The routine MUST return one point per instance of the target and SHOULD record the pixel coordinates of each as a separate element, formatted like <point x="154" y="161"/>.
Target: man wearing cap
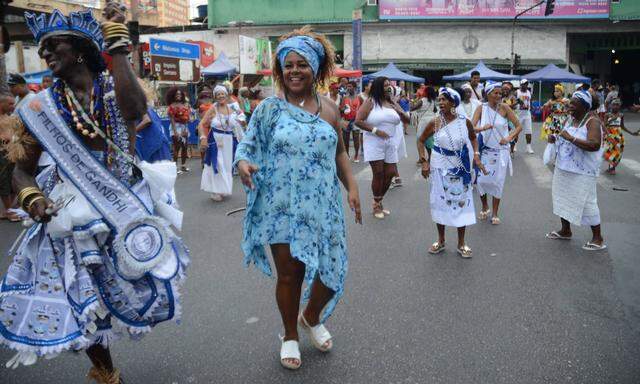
<point x="18" y="87"/>
<point x="523" y="106"/>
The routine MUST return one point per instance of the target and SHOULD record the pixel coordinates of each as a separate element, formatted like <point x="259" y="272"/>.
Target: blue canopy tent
<point x="219" y="68"/>
<point x="552" y="73"/>
<point x="393" y="73"/>
<point x="486" y="73"/>
<point x="36" y="77"/>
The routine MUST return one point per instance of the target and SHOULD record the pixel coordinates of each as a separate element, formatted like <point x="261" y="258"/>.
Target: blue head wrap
<point x="305" y="46"/>
<point x="584" y="97"/>
<point x="490" y="86"/>
<point x="450" y="94"/>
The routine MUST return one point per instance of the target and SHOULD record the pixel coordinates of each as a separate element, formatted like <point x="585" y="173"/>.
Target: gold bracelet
<point x="25" y="192"/>
<point x="113" y="30"/>
<point x="28" y="199"/>
<point x="30" y="204"/>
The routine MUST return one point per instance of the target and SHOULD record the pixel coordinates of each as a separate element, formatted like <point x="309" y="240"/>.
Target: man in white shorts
<point x="523" y="106"/>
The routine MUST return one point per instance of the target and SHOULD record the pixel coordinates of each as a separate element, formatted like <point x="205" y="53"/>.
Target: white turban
<point x="584" y="97"/>
<point x="220" y="88"/>
<point x="489" y="86"/>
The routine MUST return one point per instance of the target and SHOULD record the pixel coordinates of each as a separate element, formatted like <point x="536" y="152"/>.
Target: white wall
<point x="444" y="42"/>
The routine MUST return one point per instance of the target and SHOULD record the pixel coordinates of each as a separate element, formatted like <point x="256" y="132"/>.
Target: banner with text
<point x="489" y="9"/>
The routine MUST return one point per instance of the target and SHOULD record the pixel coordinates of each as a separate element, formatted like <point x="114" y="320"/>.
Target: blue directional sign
<point x="174" y="49"/>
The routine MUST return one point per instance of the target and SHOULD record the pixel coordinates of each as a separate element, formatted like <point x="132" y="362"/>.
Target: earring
<point x="80" y="60"/>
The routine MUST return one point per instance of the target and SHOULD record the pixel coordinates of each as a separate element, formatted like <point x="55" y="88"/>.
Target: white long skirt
<point x="575" y="197"/>
<point x="497" y="163"/>
<point x="221" y="182"/>
<point x="451" y="201"/>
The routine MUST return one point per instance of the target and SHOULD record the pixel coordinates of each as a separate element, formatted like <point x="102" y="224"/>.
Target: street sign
<point x="174" y="69"/>
<point x="179" y="50"/>
<point x="174" y="60"/>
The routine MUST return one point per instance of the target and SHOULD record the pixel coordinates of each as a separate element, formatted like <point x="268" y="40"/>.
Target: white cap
<point x="524" y="81"/>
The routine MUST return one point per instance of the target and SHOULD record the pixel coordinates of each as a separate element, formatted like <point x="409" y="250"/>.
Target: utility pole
<point x="513" y="32"/>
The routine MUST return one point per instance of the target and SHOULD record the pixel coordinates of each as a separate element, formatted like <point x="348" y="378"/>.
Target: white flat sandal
<point x="290" y="350"/>
<point x="319" y="334"/>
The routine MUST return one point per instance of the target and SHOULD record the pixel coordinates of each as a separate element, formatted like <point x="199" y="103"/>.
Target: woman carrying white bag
<point x="491" y="123"/>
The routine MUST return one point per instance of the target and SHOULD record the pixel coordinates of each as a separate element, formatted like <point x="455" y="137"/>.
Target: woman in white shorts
<point x="378" y="118"/>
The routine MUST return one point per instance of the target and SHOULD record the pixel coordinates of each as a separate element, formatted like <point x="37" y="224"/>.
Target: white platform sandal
<point x="290" y="350"/>
<point x="320" y="336"/>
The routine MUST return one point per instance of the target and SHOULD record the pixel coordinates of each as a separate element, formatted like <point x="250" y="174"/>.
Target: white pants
<point x="376" y="148"/>
<point x="221" y="182"/>
<point x="525" y="121"/>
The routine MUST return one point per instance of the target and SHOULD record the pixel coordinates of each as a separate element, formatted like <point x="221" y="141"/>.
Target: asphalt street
<point x="524" y="310"/>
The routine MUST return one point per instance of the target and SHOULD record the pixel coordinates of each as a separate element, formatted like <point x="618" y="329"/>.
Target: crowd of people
<point x="97" y="189"/>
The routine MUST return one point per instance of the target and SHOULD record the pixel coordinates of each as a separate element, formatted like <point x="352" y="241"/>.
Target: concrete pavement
<point x="524" y="310"/>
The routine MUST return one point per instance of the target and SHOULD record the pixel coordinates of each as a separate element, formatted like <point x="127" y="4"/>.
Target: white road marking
<point x="633" y="165"/>
<point x="542" y="175"/>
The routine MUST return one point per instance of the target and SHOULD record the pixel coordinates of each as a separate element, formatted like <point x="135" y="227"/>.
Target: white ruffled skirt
<point x="63" y="290"/>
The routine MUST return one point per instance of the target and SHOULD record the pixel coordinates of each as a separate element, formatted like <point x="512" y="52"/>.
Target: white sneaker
<point x="216" y="197"/>
<point x="529" y="149"/>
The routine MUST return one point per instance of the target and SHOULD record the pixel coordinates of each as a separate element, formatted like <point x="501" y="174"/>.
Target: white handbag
<point x="550" y="152"/>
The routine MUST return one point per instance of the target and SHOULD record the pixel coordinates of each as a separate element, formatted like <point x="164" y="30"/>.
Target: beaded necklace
<point x="76" y="117"/>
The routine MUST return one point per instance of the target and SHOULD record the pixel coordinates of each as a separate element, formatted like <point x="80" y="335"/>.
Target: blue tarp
<point x="486" y="73"/>
<point x="220" y="67"/>
<point x="393" y="73"/>
<point x="552" y="73"/>
<point x="36" y="77"/>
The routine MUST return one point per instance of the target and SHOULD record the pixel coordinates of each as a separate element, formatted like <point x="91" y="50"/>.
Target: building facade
<point x="599" y="47"/>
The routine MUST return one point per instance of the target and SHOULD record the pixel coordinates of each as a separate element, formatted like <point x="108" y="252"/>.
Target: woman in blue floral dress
<point x="291" y="161"/>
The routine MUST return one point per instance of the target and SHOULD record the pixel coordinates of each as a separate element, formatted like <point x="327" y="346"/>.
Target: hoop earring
<point x="80" y="60"/>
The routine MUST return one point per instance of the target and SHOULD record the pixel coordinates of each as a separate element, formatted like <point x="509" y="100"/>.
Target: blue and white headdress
<point x="307" y="47"/>
<point x="450" y="94"/>
<point x="489" y="86"/>
<point x="584" y="97"/>
<point x="81" y="24"/>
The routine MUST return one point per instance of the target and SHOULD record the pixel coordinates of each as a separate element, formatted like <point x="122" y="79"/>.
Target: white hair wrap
<point x="585" y="97"/>
<point x="220" y="88"/>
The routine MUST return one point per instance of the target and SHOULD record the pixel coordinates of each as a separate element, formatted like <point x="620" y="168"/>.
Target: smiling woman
<point x="103" y="261"/>
<point x="291" y="161"/>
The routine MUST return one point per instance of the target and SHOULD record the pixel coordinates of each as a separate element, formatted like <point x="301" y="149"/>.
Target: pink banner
<point x="490" y="9"/>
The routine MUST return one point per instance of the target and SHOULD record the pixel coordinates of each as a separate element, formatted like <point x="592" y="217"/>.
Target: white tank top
<point x="492" y="137"/>
<point x="384" y="118"/>
<point x="570" y="158"/>
<point x="453" y="137"/>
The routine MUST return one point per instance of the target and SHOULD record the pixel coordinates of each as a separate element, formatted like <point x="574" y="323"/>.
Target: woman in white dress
<point x="218" y="132"/>
<point x="451" y="197"/>
<point x="580" y="150"/>
<point x="467" y="105"/>
<point x="491" y="122"/>
<point x="379" y="117"/>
